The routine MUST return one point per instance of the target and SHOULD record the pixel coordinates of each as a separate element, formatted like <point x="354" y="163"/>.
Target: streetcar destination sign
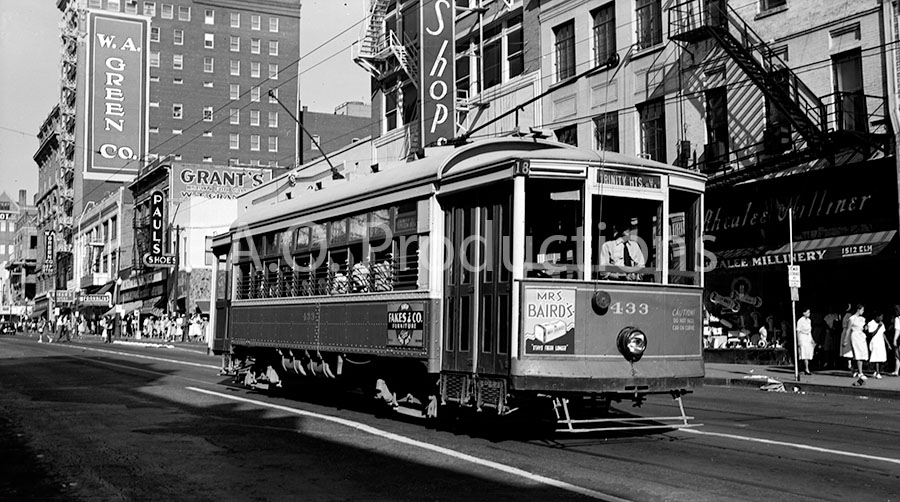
<point x="163" y="260"/>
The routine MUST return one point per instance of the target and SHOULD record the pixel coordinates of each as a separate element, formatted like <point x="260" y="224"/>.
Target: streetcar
<point x="497" y="276"/>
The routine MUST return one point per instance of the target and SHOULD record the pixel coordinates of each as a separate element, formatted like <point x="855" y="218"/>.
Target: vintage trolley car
<point x="493" y="275"/>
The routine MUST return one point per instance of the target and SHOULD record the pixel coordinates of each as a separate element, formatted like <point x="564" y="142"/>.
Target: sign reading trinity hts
<point x="116" y="92"/>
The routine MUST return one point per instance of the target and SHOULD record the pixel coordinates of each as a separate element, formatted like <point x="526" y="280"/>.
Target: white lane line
<point x="793" y="445"/>
<point x="426" y="446"/>
<point x="152" y="358"/>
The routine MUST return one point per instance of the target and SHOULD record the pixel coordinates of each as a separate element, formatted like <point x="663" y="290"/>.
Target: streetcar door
<point x="459" y="288"/>
<point x="222" y="302"/>
<point x="493" y="283"/>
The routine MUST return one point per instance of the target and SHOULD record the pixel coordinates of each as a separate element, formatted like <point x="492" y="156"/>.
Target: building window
<point x="234" y="91"/>
<point x="273" y="119"/>
<point x="177" y="156"/>
<point x="184" y="13"/>
<point x="150" y="9"/>
<point x="154" y="33"/>
<point x="234" y="141"/>
<point x="765" y="5"/>
<point x="273" y="95"/>
<point x="568" y="135"/>
<point x="254" y="94"/>
<point x="273" y="71"/>
<point x="209" y="41"/>
<point x="235" y="19"/>
<point x="176" y="132"/>
<point x="254" y="142"/>
<point x="649" y="23"/>
<point x="207" y="113"/>
<point x="177" y="61"/>
<point x="154" y="59"/>
<point x="178" y="81"/>
<point x="653" y="129"/>
<point x="234" y="116"/>
<point x="254" y="22"/>
<point x="112" y="5"/>
<point x="208" y="66"/>
<point x="273" y="47"/>
<point x="235" y="44"/>
<point x="254" y="117"/>
<point x="167" y="11"/>
<point x="273" y="24"/>
<point x="273" y="143"/>
<point x="177" y="111"/>
<point x="391" y="108"/>
<point x="235" y="67"/>
<point x="604" y="33"/>
<point x="208" y="83"/>
<point x="316" y="141"/>
<point x="131" y="7"/>
<point x="564" y="48"/>
<point x="254" y="69"/>
<point x="207" y="159"/>
<point x="209" y="16"/>
<point x="178" y="37"/>
<point x="463" y="70"/>
<point x="717" y="144"/>
<point x="254" y="45"/>
<point x="515" y="47"/>
<point x="233" y="161"/>
<point x="154" y="129"/>
<point x="606" y="132"/>
<point x="850" y="99"/>
<point x="207" y="134"/>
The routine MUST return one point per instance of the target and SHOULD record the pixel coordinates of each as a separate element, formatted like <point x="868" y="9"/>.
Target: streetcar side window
<point x="554" y="222"/>
<point x="627" y="236"/>
<point x="684" y="237"/>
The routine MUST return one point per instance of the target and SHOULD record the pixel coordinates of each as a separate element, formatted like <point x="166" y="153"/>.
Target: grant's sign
<point x="437" y="72"/>
<point x="116" y="97"/>
<point x="215" y="182"/>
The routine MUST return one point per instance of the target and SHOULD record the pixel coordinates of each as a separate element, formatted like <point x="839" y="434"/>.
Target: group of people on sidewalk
<point x="861" y="342"/>
<point x="174" y="327"/>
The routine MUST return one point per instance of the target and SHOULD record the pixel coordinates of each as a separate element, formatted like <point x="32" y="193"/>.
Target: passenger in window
<point x="340" y="284"/>
<point x="623" y="251"/>
<point x="383" y="276"/>
<point x="359" y="277"/>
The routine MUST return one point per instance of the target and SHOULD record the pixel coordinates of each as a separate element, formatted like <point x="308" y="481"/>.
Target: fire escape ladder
<point x="697" y="20"/>
<point x="407" y="57"/>
<point x="370" y="45"/>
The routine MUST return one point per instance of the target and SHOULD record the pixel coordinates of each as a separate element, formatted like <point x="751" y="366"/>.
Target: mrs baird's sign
<point x="116" y="96"/>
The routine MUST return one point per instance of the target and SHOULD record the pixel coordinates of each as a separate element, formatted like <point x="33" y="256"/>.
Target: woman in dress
<point x="805" y="342"/>
<point x="858" y="344"/>
<point x="895" y="342"/>
<point x="877" y="348"/>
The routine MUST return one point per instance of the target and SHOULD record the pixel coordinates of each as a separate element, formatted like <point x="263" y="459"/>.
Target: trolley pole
<point x="793" y="296"/>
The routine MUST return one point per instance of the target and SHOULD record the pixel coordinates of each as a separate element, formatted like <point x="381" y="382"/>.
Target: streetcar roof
<point x="442" y="164"/>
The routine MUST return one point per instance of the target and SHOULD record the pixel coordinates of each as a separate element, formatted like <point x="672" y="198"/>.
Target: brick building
<point x="331" y="131"/>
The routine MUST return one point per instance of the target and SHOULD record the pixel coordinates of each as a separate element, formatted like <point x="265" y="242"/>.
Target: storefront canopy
<point x="812" y="250"/>
<point x="39" y="311"/>
<point x="151" y="306"/>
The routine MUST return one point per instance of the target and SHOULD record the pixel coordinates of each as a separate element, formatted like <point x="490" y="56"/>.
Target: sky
<point x="29" y="66"/>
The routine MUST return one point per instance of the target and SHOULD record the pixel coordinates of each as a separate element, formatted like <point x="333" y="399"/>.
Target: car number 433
<point x="629" y="308"/>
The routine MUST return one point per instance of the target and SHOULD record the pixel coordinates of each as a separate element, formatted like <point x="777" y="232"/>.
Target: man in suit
<point x="624" y="252"/>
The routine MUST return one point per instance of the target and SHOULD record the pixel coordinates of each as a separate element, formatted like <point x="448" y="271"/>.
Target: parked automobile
<point x="7" y="328"/>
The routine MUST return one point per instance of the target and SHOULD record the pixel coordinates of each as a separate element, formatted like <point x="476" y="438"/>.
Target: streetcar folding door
<point x="222" y="304"/>
<point x="477" y="282"/>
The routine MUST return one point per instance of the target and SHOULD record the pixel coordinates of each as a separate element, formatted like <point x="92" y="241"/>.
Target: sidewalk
<point x="823" y="382"/>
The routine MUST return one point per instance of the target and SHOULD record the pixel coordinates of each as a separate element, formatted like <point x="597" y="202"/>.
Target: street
<point x="87" y="421"/>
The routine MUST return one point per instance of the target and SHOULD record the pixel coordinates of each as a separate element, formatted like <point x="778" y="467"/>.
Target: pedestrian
<point x="858" y="347"/>
<point x="877" y="348"/>
<point x="104" y="328"/>
<point x="45" y="327"/>
<point x="62" y="328"/>
<point x="846" y="350"/>
<point x="82" y="327"/>
<point x="895" y="342"/>
<point x="806" y="345"/>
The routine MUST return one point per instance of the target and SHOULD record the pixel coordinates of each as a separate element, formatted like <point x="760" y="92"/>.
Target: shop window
<point x="554" y="220"/>
<point x="567" y="135"/>
<point x="717" y="144"/>
<point x="627" y="235"/>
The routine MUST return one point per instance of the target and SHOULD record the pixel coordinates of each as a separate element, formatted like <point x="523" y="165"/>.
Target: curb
<point x="849" y="390"/>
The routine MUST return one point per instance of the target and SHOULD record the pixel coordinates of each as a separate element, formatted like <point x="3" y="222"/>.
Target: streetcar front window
<point x="626" y="239"/>
<point x="684" y="237"/>
<point x="554" y="222"/>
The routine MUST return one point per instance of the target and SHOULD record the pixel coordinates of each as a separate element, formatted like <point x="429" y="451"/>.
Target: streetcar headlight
<point x="632" y="343"/>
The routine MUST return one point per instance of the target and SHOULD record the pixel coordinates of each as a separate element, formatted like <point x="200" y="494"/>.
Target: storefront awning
<point x="812" y="250"/>
<point x="149" y="307"/>
<point x="203" y="305"/>
<point x="39" y="311"/>
<point x="132" y="306"/>
<point x="106" y="287"/>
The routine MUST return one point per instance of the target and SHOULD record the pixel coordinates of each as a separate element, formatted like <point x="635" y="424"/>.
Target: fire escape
<point x="808" y="126"/>
<point x="382" y="53"/>
<point x="65" y="154"/>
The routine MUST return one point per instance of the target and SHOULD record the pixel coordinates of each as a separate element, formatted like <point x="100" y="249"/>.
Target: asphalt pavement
<point x="775" y="378"/>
